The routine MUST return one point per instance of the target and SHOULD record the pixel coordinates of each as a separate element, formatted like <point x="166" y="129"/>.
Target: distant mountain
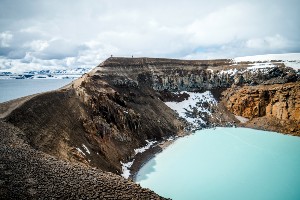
<point x="288" y="59"/>
<point x="78" y="70"/>
<point x="52" y="74"/>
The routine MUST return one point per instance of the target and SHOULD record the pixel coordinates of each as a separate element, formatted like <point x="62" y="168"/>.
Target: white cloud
<point x="72" y="33"/>
<point x="220" y="26"/>
<point x="5" y="38"/>
<point x="37" y="45"/>
<point x="269" y="42"/>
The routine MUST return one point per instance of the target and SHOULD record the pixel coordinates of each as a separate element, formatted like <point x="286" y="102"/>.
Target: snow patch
<point x="293" y="64"/>
<point x="211" y="70"/>
<point x="80" y="151"/>
<point x="241" y="119"/>
<point x="126" y="169"/>
<point x="260" y="65"/>
<point x="126" y="166"/>
<point x="230" y="71"/>
<point x="193" y="103"/>
<point x="143" y="149"/>
<point x="86" y="149"/>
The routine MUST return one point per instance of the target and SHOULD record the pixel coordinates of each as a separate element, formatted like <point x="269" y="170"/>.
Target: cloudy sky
<point x="39" y="34"/>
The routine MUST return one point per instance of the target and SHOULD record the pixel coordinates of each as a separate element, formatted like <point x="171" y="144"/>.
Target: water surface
<point x="226" y="163"/>
<point x="15" y="88"/>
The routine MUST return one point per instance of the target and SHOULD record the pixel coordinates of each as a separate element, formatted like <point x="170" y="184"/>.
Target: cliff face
<point x="285" y="103"/>
<point x="191" y="75"/>
<point x="102" y="117"/>
<point x="276" y="106"/>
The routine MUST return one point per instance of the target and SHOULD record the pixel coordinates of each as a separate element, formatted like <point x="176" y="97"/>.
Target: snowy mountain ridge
<point x="52" y="74"/>
<point x="288" y="59"/>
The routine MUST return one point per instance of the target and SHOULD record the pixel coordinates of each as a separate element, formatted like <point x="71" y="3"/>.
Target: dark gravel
<point x="29" y="174"/>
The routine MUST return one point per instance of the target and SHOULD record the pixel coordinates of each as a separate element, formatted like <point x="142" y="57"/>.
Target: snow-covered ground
<point x="269" y="57"/>
<point x="126" y="166"/>
<point x="289" y="59"/>
<point x="143" y="149"/>
<point x="230" y="71"/>
<point x="193" y="104"/>
<point x="86" y="149"/>
<point x="261" y="65"/>
<point x="126" y="169"/>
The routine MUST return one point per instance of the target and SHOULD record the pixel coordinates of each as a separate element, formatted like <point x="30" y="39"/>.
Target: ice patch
<point x="86" y="149"/>
<point x="126" y="169"/>
<point x="143" y="149"/>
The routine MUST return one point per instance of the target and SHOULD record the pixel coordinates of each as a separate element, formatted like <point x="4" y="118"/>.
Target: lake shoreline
<point x="142" y="158"/>
<point x="258" y="145"/>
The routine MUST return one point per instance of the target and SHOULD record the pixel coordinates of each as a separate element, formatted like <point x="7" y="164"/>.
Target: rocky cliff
<point x="103" y="117"/>
<point x="272" y="107"/>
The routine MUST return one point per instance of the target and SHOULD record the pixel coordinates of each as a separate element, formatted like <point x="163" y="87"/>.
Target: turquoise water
<point x="15" y="88"/>
<point x="227" y="163"/>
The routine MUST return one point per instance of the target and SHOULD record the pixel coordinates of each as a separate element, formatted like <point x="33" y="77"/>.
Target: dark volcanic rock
<point x="30" y="174"/>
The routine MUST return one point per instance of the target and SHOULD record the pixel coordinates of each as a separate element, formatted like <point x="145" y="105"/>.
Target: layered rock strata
<point x="270" y="107"/>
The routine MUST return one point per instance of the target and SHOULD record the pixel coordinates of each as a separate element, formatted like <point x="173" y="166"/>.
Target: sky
<point x="54" y="34"/>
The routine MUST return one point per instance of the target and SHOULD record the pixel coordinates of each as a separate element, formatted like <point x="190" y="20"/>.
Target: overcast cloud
<point x="37" y="34"/>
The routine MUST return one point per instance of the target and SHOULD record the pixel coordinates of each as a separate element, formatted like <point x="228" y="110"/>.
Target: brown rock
<point x="272" y="101"/>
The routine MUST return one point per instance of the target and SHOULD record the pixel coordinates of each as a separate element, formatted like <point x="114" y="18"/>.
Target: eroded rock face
<point x="281" y="102"/>
<point x="188" y="75"/>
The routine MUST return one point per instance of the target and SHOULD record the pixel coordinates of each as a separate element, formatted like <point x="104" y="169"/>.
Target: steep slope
<point x="30" y="174"/>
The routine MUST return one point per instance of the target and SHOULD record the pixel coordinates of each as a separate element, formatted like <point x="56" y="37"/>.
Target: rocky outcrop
<point x="268" y="102"/>
<point x="191" y="75"/>
<point x="98" y="120"/>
